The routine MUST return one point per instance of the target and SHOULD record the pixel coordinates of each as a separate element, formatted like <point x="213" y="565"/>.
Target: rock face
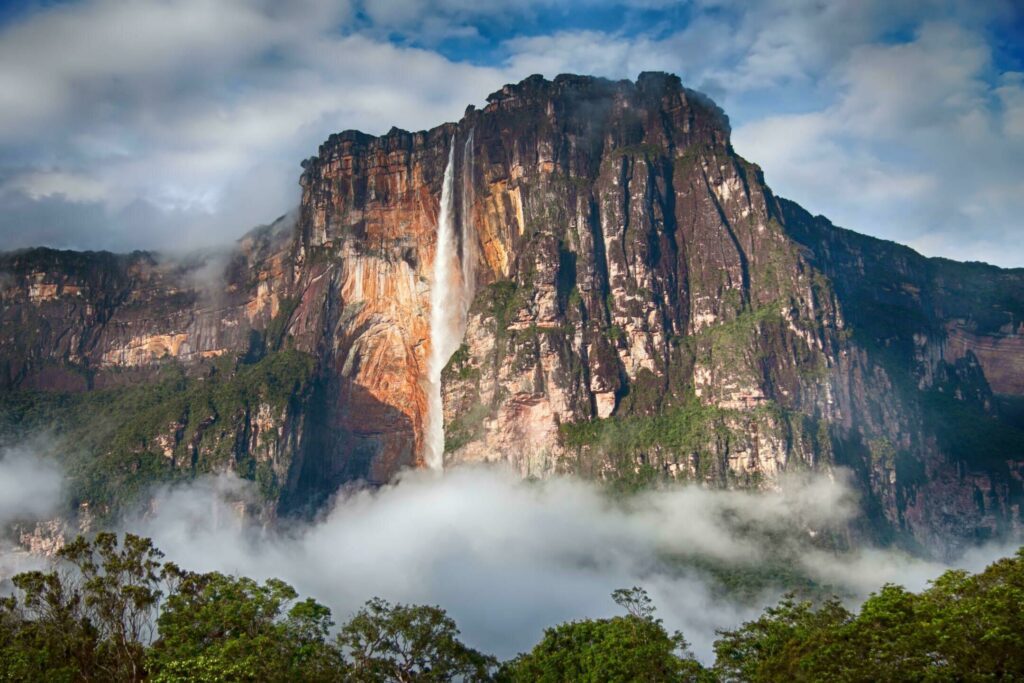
<point x="645" y="308"/>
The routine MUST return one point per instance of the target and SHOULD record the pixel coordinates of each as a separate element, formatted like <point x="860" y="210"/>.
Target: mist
<point x="31" y="487"/>
<point x="31" y="491"/>
<point x="507" y="558"/>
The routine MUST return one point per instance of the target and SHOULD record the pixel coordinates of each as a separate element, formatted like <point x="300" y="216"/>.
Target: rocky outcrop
<point x="77" y="321"/>
<point x="645" y="308"/>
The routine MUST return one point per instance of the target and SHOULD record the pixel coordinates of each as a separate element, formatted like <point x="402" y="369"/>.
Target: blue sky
<point x="175" y="124"/>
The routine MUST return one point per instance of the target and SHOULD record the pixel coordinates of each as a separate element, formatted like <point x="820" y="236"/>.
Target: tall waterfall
<point x="451" y="293"/>
<point x="445" y="310"/>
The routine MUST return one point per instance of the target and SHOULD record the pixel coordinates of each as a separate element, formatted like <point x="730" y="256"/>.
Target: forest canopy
<point x="112" y="609"/>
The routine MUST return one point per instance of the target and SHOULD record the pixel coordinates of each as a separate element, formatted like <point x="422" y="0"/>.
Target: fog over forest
<point x="507" y="558"/>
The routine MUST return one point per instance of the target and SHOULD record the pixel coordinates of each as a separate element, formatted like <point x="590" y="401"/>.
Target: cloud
<point x="73" y="186"/>
<point x="889" y="118"/>
<point x="119" y="120"/>
<point x="918" y="145"/>
<point x="588" y="52"/>
<point x="141" y="224"/>
<point x="507" y="558"/>
<point x="31" y="496"/>
<point x="1011" y="95"/>
<point x="30" y="487"/>
<point x="200" y="138"/>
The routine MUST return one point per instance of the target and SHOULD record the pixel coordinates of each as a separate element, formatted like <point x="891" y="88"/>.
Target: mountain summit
<point x="628" y="299"/>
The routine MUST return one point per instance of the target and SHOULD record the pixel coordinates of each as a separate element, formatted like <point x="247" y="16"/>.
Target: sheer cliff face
<point x="643" y="308"/>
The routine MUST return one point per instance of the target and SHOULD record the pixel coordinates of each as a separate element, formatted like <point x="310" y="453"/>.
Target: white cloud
<point x="508" y="557"/>
<point x="588" y="52"/>
<point x="806" y="157"/>
<point x="917" y="145"/>
<point x="30" y="486"/>
<point x="191" y="109"/>
<point x="54" y="56"/>
<point x="934" y="81"/>
<point x="202" y="163"/>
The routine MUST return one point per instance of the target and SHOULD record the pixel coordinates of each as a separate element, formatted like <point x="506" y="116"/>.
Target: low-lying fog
<point x="506" y="557"/>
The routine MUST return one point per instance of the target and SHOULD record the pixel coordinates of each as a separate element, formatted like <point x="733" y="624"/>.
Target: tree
<point x="385" y="642"/>
<point x="89" y="618"/>
<point x="44" y="634"/>
<point x="635" y="601"/>
<point x="973" y="625"/>
<point x="635" y="647"/>
<point x="963" y="627"/>
<point x="95" y="616"/>
<point x="772" y="647"/>
<point x="217" y="628"/>
<point x="120" y="586"/>
<point x="889" y="639"/>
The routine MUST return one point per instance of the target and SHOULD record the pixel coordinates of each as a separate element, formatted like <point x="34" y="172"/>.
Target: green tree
<point x="889" y="640"/>
<point x="216" y="628"/>
<point x="772" y="647"/>
<point x="635" y="647"/>
<point x="972" y="626"/>
<point x="635" y="601"/>
<point x="120" y="584"/>
<point x="962" y="628"/>
<point x="44" y="634"/>
<point x="95" y="616"/>
<point x="88" y="619"/>
<point x="385" y="642"/>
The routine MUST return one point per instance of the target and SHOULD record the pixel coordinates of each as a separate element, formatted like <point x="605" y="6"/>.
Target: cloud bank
<point x="507" y="558"/>
<point x="181" y="123"/>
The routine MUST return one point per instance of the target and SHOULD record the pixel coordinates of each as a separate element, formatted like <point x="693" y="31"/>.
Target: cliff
<point x="632" y="302"/>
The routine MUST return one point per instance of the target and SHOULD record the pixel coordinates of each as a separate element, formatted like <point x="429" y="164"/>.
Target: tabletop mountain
<point x="627" y="298"/>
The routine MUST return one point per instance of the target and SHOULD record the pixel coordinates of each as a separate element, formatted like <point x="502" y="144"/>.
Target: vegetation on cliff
<point x="115" y="443"/>
<point x="115" y="610"/>
<point x="679" y="428"/>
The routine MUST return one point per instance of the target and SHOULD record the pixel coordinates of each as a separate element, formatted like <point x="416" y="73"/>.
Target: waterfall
<point x="445" y="335"/>
<point x="451" y="293"/>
